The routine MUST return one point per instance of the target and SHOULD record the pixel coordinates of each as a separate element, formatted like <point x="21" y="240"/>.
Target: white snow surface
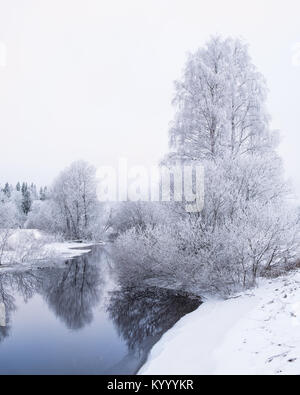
<point x="64" y="249"/>
<point x="69" y="249"/>
<point x="28" y="245"/>
<point x="254" y="333"/>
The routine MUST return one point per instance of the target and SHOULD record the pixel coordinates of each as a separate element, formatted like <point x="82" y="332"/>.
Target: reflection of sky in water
<point x="61" y="320"/>
<point x="41" y="342"/>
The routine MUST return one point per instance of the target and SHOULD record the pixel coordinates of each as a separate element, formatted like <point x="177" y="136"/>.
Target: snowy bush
<point x="8" y="221"/>
<point x="139" y="215"/>
<point x="219" y="260"/>
<point x="247" y="227"/>
<point x="26" y="246"/>
<point x="44" y="215"/>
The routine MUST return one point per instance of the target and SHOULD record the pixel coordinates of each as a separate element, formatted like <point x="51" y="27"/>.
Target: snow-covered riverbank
<point x="257" y="332"/>
<point x="25" y="246"/>
<point x="69" y="249"/>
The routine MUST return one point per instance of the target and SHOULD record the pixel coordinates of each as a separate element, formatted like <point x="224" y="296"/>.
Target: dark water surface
<point x="70" y="318"/>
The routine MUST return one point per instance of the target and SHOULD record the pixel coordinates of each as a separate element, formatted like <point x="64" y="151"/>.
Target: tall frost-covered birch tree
<point x="247" y="227"/>
<point x="220" y="104"/>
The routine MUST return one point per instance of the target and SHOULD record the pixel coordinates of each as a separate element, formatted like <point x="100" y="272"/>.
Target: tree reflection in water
<point x="23" y="282"/>
<point x="9" y="303"/>
<point x="73" y="292"/>
<point x="142" y="315"/>
<point x="132" y="319"/>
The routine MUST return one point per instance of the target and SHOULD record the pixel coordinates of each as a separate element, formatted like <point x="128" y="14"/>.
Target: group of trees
<point x="69" y="210"/>
<point x="16" y="202"/>
<point x="247" y="227"/>
<point x="71" y="207"/>
<point x="15" y="205"/>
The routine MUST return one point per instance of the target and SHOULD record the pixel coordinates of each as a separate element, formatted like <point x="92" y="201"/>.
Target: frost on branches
<point x="247" y="228"/>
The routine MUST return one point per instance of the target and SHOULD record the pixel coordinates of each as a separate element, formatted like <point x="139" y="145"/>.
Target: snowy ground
<point x="63" y="249"/>
<point x="30" y="245"/>
<point x="257" y="332"/>
<point x="68" y="249"/>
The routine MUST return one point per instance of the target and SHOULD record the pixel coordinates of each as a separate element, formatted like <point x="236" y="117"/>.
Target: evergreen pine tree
<point x="26" y="202"/>
<point x="24" y="188"/>
<point x="7" y="190"/>
<point x="43" y="193"/>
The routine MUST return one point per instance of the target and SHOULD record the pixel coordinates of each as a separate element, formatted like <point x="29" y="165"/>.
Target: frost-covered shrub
<point x="26" y="246"/>
<point x="45" y="216"/>
<point x="9" y="220"/>
<point x="219" y="260"/>
<point x="245" y="230"/>
<point x="139" y="215"/>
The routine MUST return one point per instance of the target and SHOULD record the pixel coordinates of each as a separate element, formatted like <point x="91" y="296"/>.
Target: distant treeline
<point x="24" y="192"/>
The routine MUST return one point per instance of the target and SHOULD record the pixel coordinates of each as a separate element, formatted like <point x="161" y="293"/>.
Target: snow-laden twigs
<point x="26" y="246"/>
<point x="247" y="229"/>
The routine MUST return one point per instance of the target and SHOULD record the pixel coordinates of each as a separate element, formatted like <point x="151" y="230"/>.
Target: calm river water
<point x="70" y="318"/>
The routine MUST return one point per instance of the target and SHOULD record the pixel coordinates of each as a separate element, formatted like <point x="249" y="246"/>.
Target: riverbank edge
<point x="255" y="332"/>
<point x="71" y="249"/>
<point x="61" y="250"/>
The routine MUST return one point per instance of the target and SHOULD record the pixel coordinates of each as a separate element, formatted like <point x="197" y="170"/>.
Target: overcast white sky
<point x="93" y="79"/>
